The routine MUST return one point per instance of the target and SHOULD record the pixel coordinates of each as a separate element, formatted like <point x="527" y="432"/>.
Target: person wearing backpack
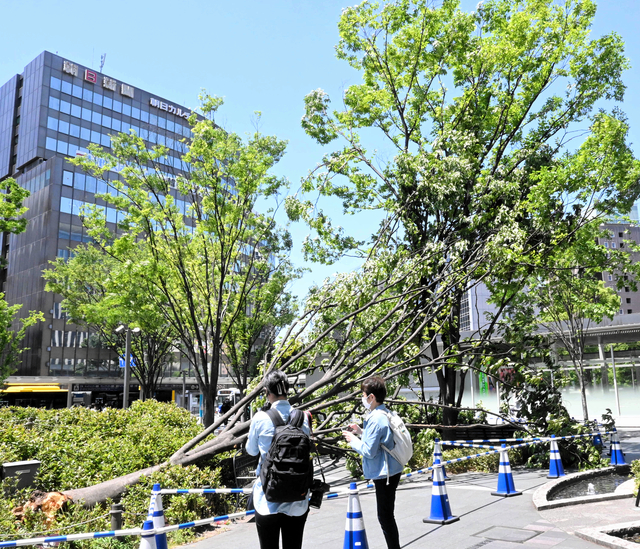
<point x="281" y="491"/>
<point x="378" y="464"/>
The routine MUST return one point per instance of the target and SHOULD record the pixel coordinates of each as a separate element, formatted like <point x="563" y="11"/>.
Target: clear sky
<point x="259" y="56"/>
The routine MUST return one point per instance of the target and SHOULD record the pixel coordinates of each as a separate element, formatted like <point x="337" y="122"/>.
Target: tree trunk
<point x="583" y="393"/>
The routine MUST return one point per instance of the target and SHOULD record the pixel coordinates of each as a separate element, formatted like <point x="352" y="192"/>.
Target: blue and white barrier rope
<point x="72" y="537"/>
<point x="166" y="491"/>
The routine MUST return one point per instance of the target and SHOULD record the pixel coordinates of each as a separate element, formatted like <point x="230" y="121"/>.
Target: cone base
<point x="441" y="521"/>
<point x="506" y="494"/>
<point x="556" y="476"/>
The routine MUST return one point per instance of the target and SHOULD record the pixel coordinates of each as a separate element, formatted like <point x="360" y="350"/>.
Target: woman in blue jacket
<point x="377" y="464"/>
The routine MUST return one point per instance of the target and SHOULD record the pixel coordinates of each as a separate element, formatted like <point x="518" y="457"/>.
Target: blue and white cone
<point x="506" y="487"/>
<point x="156" y="514"/>
<point x="355" y="536"/>
<point x="437" y="455"/>
<point x="147" y="541"/>
<point x="440" y="508"/>
<point x="617" y="457"/>
<point x="556" y="470"/>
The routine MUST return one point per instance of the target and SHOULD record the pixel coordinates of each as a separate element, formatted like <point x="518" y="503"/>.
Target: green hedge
<point x="79" y="447"/>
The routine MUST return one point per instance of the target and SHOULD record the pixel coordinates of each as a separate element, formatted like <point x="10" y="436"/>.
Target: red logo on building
<point x="90" y="76"/>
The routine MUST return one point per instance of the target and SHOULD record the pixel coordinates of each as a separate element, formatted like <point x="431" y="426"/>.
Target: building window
<point x="610" y="277"/>
<point x="628" y="300"/>
<point x="606" y="244"/>
<point x="613" y="244"/>
<point x="67" y="178"/>
<point x="629" y="311"/>
<point x="620" y="235"/>
<point x="626" y="288"/>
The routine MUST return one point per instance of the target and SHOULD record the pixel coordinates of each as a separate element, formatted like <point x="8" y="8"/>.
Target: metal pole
<point x="127" y="359"/>
<point x="116" y="516"/>
<point x="615" y="381"/>
<point x="184" y="390"/>
<point x="69" y="395"/>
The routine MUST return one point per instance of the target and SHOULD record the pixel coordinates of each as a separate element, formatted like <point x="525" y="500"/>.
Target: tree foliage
<point x="215" y="268"/>
<point x="476" y="113"/>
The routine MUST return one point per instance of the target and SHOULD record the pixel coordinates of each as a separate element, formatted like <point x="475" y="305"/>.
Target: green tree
<point x="195" y="244"/>
<point x="473" y="115"/>
<point x="97" y="293"/>
<point x="12" y="330"/>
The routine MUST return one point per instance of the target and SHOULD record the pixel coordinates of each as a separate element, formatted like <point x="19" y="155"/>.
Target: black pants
<point x="386" y="502"/>
<point x="270" y="526"/>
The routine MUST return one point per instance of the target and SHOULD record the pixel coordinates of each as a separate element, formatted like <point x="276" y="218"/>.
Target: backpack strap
<point x="275" y="417"/>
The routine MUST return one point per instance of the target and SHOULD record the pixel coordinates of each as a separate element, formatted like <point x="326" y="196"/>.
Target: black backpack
<point x="287" y="469"/>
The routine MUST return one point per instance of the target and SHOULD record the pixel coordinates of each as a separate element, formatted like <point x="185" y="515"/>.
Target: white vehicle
<point x="232" y="395"/>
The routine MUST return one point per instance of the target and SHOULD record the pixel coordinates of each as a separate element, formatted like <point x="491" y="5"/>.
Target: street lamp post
<point x="127" y="361"/>
<point x="184" y="370"/>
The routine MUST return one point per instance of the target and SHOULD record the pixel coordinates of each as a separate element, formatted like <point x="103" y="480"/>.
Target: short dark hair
<point x="376" y="386"/>
<point x="276" y="383"/>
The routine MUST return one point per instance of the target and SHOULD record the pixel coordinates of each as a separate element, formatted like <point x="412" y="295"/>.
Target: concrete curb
<point x="602" y="535"/>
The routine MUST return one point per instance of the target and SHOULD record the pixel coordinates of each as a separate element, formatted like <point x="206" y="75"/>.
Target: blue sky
<point x="259" y="56"/>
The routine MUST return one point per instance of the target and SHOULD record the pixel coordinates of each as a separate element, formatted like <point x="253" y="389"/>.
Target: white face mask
<point x="366" y="403"/>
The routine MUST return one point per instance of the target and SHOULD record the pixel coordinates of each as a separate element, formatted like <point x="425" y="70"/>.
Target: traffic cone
<point x="437" y="455"/>
<point x="440" y="508"/>
<point x="617" y="457"/>
<point x="147" y="541"/>
<point x="156" y="514"/>
<point x="355" y="536"/>
<point x="555" y="462"/>
<point x="506" y="487"/>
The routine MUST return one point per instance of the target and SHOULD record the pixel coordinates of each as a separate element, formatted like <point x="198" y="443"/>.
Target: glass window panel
<point x="55" y="83"/>
<point x="106" y="121"/>
<point x="90" y="184"/>
<point x="86" y="114"/>
<point x="77" y="91"/>
<point x="72" y="149"/>
<point x="144" y="115"/>
<point x="85" y="133"/>
<point x="115" y="124"/>
<point x="126" y="109"/>
<point x="51" y="144"/>
<point x="65" y="107"/>
<point x="135" y="129"/>
<point x="63" y="127"/>
<point x="105" y="141"/>
<point x="144" y="133"/>
<point x="117" y="106"/>
<point x="67" y="178"/>
<point x="95" y="137"/>
<point x="170" y="125"/>
<point x="76" y="205"/>
<point x="76" y="111"/>
<point x="54" y="103"/>
<point x="62" y="147"/>
<point x="161" y="140"/>
<point x="96" y="118"/>
<point x="102" y="187"/>
<point x="153" y="137"/>
<point x="65" y="205"/>
<point x="66" y="87"/>
<point x="135" y="113"/>
<point x="74" y="130"/>
<point x="52" y="123"/>
<point x="111" y="215"/>
<point x="79" y="181"/>
<point x="162" y="122"/>
<point x="171" y="143"/>
<point x="97" y="98"/>
<point x="107" y="102"/>
<point x="153" y="119"/>
<point x="87" y="95"/>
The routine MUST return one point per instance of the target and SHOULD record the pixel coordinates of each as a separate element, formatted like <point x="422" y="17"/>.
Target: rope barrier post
<point x="440" y="507"/>
<point x="506" y="486"/>
<point x="617" y="457"/>
<point x="116" y="516"/>
<point x="147" y="541"/>
<point x="556" y="470"/>
<point x="355" y="536"/>
<point x="156" y="514"/>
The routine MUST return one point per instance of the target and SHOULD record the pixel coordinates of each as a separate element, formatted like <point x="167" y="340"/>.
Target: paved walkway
<point x="486" y="521"/>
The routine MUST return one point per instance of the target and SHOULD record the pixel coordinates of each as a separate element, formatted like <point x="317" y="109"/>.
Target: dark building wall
<point x="8" y="94"/>
<point x="30" y="112"/>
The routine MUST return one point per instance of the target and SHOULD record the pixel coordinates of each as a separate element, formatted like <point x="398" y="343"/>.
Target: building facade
<point x="50" y="112"/>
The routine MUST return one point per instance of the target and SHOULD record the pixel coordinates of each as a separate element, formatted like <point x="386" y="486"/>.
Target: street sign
<point x="121" y="362"/>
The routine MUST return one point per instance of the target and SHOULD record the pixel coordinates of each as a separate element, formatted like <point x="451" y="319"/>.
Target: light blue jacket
<point x="260" y="436"/>
<point x="375" y="432"/>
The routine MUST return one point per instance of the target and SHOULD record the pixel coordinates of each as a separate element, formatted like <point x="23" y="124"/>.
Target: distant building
<point x="50" y="112"/>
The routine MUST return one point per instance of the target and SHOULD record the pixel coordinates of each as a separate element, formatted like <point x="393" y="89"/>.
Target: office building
<point x="50" y="112"/>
